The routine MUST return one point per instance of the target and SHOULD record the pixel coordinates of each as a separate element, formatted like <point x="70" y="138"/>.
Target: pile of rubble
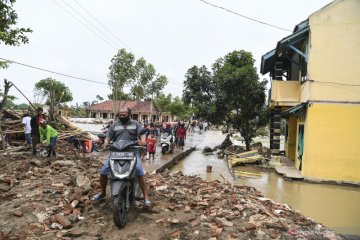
<point x="12" y="128"/>
<point x="217" y="210"/>
<point x="49" y="198"/>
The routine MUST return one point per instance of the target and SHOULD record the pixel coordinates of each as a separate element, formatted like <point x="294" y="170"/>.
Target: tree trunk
<point x="7" y="86"/>
<point x="247" y="143"/>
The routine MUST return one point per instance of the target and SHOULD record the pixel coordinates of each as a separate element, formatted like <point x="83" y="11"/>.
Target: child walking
<point x="151" y="146"/>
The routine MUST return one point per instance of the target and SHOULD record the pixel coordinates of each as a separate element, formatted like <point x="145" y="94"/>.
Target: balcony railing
<point x="284" y="93"/>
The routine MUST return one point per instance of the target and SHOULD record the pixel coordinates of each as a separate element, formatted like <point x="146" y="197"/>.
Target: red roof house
<point x="141" y="111"/>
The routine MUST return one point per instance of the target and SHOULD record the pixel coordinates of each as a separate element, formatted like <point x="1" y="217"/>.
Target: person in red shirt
<point x="181" y="135"/>
<point x="151" y="146"/>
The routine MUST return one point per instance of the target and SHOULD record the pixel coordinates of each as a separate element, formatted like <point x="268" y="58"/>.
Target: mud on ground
<point x="49" y="198"/>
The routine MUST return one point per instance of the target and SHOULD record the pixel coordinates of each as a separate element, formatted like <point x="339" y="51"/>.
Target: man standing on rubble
<point x="27" y="128"/>
<point x="125" y="129"/>
<point x="35" y="132"/>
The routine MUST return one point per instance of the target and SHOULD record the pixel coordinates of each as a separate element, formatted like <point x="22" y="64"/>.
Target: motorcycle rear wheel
<point x="120" y="213"/>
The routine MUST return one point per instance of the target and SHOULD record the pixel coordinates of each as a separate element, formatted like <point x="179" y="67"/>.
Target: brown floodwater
<point x="335" y="206"/>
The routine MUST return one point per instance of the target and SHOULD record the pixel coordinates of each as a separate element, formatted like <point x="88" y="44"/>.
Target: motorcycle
<point x="167" y="143"/>
<point x="123" y="180"/>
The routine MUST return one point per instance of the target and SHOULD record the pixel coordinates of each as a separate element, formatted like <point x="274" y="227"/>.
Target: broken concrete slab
<point x="289" y="172"/>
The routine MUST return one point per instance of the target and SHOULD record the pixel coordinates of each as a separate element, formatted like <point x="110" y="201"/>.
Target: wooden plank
<point x="243" y="154"/>
<point x="247" y="176"/>
<point x="247" y="173"/>
<point x="236" y="161"/>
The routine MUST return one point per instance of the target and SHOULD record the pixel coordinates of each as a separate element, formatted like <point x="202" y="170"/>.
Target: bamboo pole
<point x="24" y="96"/>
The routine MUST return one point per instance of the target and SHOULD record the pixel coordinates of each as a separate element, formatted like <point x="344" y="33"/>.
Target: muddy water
<point x="337" y="207"/>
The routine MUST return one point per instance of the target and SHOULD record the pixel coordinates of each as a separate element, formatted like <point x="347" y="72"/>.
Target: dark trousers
<point x="51" y="147"/>
<point x="35" y="141"/>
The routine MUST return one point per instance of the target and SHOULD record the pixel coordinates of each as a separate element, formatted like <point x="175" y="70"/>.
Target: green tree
<point x="199" y="91"/>
<point x="86" y="104"/>
<point x="121" y="72"/>
<point x="162" y="104"/>
<point x="179" y="109"/>
<point x="78" y="110"/>
<point x="99" y="98"/>
<point x="120" y="96"/>
<point x="155" y="87"/>
<point x="234" y="95"/>
<point x="241" y="96"/>
<point x="55" y="92"/>
<point x="9" y="33"/>
<point x="21" y="106"/>
<point x="139" y="75"/>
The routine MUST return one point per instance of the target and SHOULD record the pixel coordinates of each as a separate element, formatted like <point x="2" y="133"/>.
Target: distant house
<point x="315" y="86"/>
<point x="140" y="111"/>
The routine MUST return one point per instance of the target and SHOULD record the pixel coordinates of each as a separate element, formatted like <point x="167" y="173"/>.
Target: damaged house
<point x="315" y="86"/>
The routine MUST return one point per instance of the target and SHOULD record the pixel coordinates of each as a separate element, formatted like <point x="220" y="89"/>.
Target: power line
<point x="50" y="71"/>
<point x="86" y="20"/>
<point x="59" y="57"/>
<point x="107" y="29"/>
<point x="92" y="30"/>
<point x="243" y="16"/>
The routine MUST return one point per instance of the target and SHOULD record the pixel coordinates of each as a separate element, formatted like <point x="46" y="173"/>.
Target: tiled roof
<point x="135" y="106"/>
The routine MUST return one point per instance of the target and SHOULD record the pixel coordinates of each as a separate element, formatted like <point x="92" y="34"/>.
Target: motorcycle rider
<point x="125" y="129"/>
<point x="168" y="129"/>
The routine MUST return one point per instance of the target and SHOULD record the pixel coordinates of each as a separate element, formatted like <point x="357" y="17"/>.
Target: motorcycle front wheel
<point x="164" y="149"/>
<point x="119" y="209"/>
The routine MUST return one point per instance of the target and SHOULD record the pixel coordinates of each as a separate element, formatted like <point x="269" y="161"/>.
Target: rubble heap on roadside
<point x="11" y="124"/>
<point x="217" y="210"/>
<point x="49" y="198"/>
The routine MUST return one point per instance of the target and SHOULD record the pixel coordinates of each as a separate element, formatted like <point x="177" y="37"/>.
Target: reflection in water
<point x="335" y="206"/>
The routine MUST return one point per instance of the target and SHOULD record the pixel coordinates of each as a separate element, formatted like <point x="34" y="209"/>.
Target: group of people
<point x="153" y="134"/>
<point x="203" y="126"/>
<point x="127" y="129"/>
<point x="37" y="130"/>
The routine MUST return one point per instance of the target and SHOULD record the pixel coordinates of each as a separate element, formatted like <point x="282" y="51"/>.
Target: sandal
<point x="97" y="197"/>
<point x="147" y="204"/>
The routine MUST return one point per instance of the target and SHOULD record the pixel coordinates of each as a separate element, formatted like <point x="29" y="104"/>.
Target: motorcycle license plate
<point x="122" y="155"/>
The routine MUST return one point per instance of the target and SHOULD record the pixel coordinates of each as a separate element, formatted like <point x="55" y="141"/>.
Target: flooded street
<point x="335" y="206"/>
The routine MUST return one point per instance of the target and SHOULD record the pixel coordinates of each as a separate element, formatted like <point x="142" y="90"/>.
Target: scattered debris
<point x="50" y="199"/>
<point x="245" y="157"/>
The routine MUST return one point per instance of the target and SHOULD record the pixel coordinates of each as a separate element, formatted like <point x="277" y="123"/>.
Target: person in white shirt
<point x="27" y="128"/>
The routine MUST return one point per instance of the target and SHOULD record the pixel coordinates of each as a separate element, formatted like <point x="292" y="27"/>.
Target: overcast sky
<point x="173" y="35"/>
